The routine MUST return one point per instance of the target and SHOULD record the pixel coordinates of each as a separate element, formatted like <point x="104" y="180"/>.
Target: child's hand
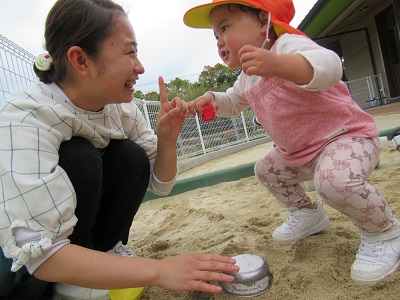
<point x="172" y="114"/>
<point x="199" y="103"/>
<point x="191" y="272"/>
<point x="264" y="63"/>
<point x="257" y="61"/>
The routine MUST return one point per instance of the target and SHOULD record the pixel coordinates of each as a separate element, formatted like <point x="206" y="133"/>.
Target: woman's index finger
<point x="163" y="91"/>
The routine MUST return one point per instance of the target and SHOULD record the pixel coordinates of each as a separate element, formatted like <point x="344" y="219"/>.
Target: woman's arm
<point x="89" y="268"/>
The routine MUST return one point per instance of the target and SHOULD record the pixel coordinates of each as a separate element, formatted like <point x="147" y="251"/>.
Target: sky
<point x="167" y="47"/>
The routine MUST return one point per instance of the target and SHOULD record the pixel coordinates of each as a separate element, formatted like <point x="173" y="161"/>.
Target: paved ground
<point x="393" y="108"/>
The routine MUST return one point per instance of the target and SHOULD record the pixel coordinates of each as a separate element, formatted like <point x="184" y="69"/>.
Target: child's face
<point x="118" y="67"/>
<point x="234" y="29"/>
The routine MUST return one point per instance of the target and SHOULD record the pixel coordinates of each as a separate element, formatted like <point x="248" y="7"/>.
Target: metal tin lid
<point x="253" y="278"/>
<point x="252" y="268"/>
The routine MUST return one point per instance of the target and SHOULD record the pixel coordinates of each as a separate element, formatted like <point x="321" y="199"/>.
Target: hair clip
<point x="44" y="62"/>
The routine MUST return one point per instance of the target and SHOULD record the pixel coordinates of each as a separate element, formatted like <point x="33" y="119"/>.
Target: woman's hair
<point x="82" y="23"/>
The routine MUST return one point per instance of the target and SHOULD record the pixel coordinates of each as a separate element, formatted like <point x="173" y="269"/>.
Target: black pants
<point x="110" y="185"/>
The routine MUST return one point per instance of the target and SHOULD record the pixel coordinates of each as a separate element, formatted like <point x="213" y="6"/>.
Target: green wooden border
<point x="209" y="179"/>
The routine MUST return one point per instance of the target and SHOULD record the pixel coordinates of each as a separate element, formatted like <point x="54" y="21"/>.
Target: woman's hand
<point x="193" y="272"/>
<point x="171" y="116"/>
<point x="170" y="121"/>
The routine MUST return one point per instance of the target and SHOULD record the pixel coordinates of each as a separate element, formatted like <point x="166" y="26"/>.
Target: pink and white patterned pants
<point x="340" y="174"/>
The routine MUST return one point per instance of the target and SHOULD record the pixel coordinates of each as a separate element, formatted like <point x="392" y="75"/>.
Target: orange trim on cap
<point x="282" y="12"/>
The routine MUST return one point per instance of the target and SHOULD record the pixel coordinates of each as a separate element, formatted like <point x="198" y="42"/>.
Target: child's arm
<point x="296" y="59"/>
<point x="89" y="268"/>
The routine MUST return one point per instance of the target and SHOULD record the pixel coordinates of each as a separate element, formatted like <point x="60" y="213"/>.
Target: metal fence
<point x="16" y="68"/>
<point x="367" y="92"/>
<point x="197" y="137"/>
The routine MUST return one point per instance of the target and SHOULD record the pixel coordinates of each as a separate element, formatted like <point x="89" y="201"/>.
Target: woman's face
<point x="118" y="66"/>
<point x="233" y="29"/>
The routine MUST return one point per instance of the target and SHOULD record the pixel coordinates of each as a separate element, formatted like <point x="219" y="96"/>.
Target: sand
<point x="238" y="217"/>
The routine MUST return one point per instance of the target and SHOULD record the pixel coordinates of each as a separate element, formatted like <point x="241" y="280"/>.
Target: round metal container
<point x="253" y="278"/>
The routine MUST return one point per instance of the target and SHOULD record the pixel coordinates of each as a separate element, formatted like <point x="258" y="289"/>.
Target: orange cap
<point x="282" y="12"/>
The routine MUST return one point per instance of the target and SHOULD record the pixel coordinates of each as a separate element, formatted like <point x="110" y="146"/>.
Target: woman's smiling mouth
<point x="130" y="83"/>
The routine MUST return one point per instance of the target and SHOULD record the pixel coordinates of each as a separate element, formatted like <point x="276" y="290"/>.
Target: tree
<point x="219" y="77"/>
<point x="152" y="96"/>
<point x="138" y="94"/>
<point x="196" y="89"/>
<point x="178" y="87"/>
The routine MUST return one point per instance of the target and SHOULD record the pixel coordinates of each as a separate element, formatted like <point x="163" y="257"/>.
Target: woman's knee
<point x="79" y="150"/>
<point x="129" y="156"/>
<point x="81" y="161"/>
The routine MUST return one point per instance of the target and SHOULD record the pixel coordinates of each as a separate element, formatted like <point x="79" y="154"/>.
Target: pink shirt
<point x="301" y="120"/>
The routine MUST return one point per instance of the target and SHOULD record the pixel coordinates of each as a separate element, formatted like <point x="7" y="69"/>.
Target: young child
<point x="76" y="159"/>
<point x="293" y="87"/>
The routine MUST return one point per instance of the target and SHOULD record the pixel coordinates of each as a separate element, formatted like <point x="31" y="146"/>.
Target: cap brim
<point x="199" y="16"/>
<point x="282" y="27"/>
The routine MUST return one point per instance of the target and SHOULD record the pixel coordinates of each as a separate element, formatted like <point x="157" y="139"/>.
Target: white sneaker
<point x="122" y="250"/>
<point x="301" y="223"/>
<point x="63" y="291"/>
<point x="377" y="257"/>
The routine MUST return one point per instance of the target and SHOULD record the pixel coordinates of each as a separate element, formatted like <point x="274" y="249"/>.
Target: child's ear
<point x="267" y="27"/>
<point x="263" y="17"/>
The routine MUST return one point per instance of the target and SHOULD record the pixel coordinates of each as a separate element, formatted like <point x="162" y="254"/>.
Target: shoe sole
<point x="376" y="280"/>
<point x="313" y="230"/>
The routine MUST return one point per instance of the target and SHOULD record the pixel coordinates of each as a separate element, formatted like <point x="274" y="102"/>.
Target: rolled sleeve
<point x="158" y="187"/>
<point x="29" y="171"/>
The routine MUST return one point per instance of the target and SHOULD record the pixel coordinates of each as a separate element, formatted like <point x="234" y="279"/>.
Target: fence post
<point x="244" y="126"/>
<point x="371" y="90"/>
<point x="146" y="112"/>
<point x="380" y="88"/>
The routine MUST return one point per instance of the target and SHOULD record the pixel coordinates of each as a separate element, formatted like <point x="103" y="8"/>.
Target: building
<point x="365" y="34"/>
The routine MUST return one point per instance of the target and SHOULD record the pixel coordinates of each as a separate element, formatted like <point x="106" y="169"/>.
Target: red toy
<point x="208" y="113"/>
